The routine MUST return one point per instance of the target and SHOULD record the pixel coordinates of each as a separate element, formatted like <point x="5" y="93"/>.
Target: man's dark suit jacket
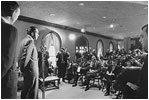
<point x="144" y="80"/>
<point x="9" y="38"/>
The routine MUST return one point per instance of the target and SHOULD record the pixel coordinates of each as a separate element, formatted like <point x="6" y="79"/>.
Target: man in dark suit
<point x="133" y="81"/>
<point x="9" y="13"/>
<point x="144" y="72"/>
<point x="62" y="57"/>
<point x="94" y="71"/>
<point x="28" y="63"/>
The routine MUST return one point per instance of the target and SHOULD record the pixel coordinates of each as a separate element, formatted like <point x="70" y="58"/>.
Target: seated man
<point x="95" y="68"/>
<point x="82" y="68"/>
<point x="110" y="76"/>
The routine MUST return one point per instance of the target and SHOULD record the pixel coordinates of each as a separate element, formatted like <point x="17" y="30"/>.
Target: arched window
<point x="82" y="44"/>
<point x="120" y="45"/>
<point x="111" y="47"/>
<point x="52" y="43"/>
<point x="99" y="48"/>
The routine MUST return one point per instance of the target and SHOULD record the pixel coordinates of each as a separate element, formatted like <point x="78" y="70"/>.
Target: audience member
<point x="94" y="71"/>
<point x="62" y="63"/>
<point x="133" y="81"/>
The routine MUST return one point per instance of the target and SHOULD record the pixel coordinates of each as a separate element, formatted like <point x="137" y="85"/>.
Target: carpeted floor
<point x="66" y="91"/>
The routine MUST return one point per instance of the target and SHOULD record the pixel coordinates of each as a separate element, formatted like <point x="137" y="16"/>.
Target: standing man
<point x="62" y="57"/>
<point x="143" y="90"/>
<point x="133" y="81"/>
<point x="28" y="63"/>
<point x="10" y="11"/>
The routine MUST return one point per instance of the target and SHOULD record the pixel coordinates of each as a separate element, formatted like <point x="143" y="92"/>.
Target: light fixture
<point x="52" y="15"/>
<point x="83" y="30"/>
<point x="112" y="26"/>
<point x="104" y="17"/>
<point x="72" y="37"/>
<point x="81" y="4"/>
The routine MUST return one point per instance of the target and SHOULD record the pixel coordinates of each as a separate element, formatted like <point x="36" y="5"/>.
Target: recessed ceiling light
<point x="52" y="15"/>
<point x="81" y="4"/>
<point x="111" y="26"/>
<point x="104" y="17"/>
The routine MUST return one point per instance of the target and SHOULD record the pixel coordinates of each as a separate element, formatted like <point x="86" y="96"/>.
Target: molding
<point x="41" y="22"/>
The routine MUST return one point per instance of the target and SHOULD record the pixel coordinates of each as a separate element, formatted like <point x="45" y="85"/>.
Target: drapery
<point x="99" y="49"/>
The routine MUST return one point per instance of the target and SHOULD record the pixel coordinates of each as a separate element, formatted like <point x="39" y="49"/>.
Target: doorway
<point x="82" y="45"/>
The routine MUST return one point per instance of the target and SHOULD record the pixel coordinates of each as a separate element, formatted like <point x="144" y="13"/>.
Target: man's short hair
<point x="8" y="7"/>
<point x="31" y="29"/>
<point x="145" y="26"/>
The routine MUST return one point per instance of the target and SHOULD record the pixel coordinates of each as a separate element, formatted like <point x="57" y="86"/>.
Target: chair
<point x="103" y="84"/>
<point x="98" y="80"/>
<point x="48" y="80"/>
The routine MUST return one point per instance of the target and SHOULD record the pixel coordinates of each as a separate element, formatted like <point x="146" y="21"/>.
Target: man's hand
<point x="133" y="86"/>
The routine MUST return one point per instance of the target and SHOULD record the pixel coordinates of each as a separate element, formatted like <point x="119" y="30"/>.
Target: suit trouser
<point x="109" y="82"/>
<point x="88" y="77"/>
<point x="9" y="85"/>
<point x="30" y="87"/>
<point x="82" y="71"/>
<point x="61" y="70"/>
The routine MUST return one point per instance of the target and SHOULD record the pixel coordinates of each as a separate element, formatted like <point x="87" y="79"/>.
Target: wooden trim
<point x="41" y="22"/>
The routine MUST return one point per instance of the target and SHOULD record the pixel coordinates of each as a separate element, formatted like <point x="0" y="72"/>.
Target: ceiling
<point x="117" y="19"/>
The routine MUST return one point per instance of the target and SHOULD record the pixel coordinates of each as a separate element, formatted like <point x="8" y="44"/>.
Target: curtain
<point x="99" y="49"/>
<point x="111" y="47"/>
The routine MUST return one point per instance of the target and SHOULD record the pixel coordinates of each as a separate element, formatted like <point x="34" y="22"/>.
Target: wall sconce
<point x="83" y="30"/>
<point x="72" y="37"/>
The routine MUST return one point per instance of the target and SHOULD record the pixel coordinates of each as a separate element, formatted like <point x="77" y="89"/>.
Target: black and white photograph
<point x="74" y="49"/>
